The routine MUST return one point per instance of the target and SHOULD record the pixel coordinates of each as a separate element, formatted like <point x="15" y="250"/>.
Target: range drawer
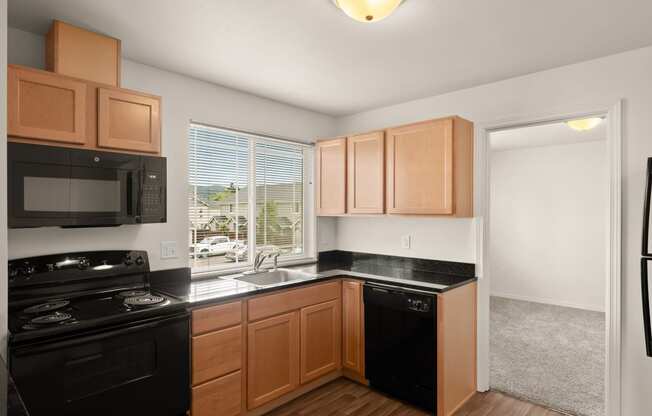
<point x="220" y="397"/>
<point x="216" y="354"/>
<point x="216" y="317"/>
<point x="290" y="300"/>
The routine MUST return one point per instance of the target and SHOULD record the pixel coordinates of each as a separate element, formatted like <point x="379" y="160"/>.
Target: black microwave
<point x="66" y="187"/>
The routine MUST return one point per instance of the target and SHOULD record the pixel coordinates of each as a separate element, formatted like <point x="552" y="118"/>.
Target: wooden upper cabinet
<point x="430" y="168"/>
<point x="273" y="358"/>
<point x="128" y="121"/>
<point x="80" y="53"/>
<point x="45" y="106"/>
<point x="330" y="162"/>
<point x="352" y="328"/>
<point x="366" y="173"/>
<point x="321" y="348"/>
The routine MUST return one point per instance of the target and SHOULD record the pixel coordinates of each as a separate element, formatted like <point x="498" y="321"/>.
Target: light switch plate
<point x="168" y="249"/>
<point x="406" y="241"/>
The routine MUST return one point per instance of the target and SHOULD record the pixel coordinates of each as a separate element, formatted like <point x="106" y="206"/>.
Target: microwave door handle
<point x="646" y="212"/>
<point x="130" y="196"/>
<point x="133" y="197"/>
<point x="645" y="293"/>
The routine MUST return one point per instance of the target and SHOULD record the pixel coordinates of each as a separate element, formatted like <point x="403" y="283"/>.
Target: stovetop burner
<point x="50" y="306"/>
<point x="132" y="293"/>
<point x="144" y="300"/>
<point x="71" y="293"/>
<point x="50" y="319"/>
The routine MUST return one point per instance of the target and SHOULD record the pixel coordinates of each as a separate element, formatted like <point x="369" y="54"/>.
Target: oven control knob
<point x="14" y="272"/>
<point x="83" y="263"/>
<point x="28" y="270"/>
<point x="128" y="260"/>
<point x="140" y="261"/>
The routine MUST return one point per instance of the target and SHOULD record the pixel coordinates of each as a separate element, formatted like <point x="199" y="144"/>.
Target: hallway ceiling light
<point x="584" y="124"/>
<point x="368" y="11"/>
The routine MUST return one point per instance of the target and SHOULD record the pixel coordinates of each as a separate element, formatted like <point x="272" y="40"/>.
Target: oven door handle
<point x="645" y="293"/>
<point x="72" y="340"/>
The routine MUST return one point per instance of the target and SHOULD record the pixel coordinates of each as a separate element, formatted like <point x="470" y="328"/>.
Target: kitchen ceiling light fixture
<point x="368" y="11"/>
<point x="584" y="124"/>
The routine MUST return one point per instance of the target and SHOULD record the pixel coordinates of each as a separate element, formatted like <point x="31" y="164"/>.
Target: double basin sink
<point x="275" y="277"/>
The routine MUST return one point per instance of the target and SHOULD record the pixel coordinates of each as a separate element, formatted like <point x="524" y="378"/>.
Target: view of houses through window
<point x="222" y="185"/>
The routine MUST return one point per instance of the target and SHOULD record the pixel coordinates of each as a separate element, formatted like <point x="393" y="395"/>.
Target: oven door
<point x="50" y="186"/>
<point x="140" y="369"/>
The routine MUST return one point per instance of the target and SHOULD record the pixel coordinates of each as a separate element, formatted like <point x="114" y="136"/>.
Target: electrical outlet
<point x="168" y="249"/>
<point x="406" y="241"/>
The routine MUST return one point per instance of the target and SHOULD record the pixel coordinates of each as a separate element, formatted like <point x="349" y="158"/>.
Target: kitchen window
<point x="247" y="193"/>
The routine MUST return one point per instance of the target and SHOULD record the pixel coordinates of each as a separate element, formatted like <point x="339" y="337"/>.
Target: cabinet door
<point x="330" y="162"/>
<point x="321" y="348"/>
<point x="46" y="106"/>
<point x="128" y="121"/>
<point x="366" y="173"/>
<point x="352" y="327"/>
<point x="273" y="358"/>
<point x="218" y="397"/>
<point x="420" y="168"/>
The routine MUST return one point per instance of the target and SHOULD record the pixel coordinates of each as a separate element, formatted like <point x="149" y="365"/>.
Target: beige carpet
<point x="550" y="355"/>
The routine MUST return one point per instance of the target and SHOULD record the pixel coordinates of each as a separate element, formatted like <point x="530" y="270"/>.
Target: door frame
<point x="613" y="116"/>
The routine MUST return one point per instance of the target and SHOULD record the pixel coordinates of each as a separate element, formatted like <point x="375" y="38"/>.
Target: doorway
<point x="547" y="213"/>
<point x="612" y="119"/>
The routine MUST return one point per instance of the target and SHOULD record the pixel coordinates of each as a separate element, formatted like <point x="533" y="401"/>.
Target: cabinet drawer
<point x="216" y="354"/>
<point x="221" y="397"/>
<point x="291" y="300"/>
<point x="216" y="317"/>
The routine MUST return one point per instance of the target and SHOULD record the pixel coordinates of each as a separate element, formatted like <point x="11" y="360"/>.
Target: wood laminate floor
<point x="346" y="398"/>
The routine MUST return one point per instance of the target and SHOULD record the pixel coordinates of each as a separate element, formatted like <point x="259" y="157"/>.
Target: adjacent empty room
<point x="548" y="245"/>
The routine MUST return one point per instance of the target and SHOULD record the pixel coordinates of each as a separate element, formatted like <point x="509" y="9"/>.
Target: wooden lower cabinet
<point x="321" y="348"/>
<point x="273" y="358"/>
<point x="456" y="348"/>
<point x="216" y="353"/>
<point x="219" y="397"/>
<point x="352" y="329"/>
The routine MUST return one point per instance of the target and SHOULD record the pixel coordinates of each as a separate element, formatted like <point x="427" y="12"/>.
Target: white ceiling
<point x="309" y="54"/>
<point x="544" y="135"/>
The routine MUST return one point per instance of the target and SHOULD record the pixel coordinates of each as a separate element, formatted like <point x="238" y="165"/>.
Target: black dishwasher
<point x="401" y="343"/>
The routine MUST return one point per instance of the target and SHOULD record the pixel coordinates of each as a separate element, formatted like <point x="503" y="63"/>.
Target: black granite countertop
<point x="10" y="402"/>
<point x="432" y="275"/>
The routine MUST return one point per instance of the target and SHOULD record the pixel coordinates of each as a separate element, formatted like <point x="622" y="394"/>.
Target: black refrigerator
<point x="646" y="261"/>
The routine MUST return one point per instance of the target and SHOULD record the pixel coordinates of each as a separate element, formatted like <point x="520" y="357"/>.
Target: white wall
<point x="431" y="238"/>
<point x="548" y="219"/>
<point x="183" y="99"/>
<point x="3" y="176"/>
<point x="595" y="84"/>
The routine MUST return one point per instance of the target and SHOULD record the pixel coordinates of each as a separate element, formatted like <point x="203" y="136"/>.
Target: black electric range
<point x="87" y="335"/>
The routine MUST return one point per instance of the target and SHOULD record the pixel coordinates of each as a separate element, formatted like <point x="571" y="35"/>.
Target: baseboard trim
<point x="548" y="301"/>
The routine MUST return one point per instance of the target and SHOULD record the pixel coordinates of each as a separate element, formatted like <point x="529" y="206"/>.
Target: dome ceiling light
<point x="584" y="124"/>
<point x="368" y="11"/>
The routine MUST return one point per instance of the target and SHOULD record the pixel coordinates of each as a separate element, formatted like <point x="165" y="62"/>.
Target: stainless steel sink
<point x="276" y="277"/>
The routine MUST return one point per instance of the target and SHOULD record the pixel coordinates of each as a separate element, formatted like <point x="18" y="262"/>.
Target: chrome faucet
<point x="258" y="261"/>
<point x="275" y="257"/>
